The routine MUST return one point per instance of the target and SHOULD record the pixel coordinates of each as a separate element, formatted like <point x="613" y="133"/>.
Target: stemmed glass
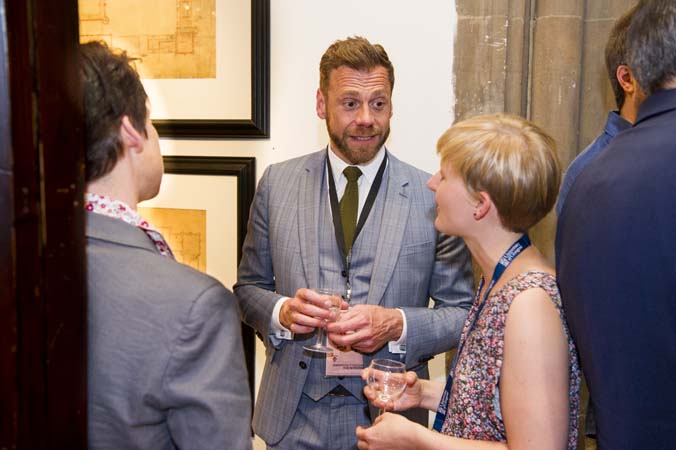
<point x="321" y="345"/>
<point x="387" y="378"/>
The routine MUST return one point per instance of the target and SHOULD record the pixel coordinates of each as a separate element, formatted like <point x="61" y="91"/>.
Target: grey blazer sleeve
<point x="255" y="287"/>
<point x="205" y="382"/>
<point x="434" y="330"/>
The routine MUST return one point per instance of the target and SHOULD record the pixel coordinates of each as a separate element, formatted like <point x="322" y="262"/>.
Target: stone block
<point x="607" y="9"/>
<point x="597" y="98"/>
<point x="556" y="80"/>
<point x="543" y="236"/>
<point x="516" y="77"/>
<point x="554" y="8"/>
<point x="519" y="8"/>
<point x="480" y="65"/>
<point x="482" y="8"/>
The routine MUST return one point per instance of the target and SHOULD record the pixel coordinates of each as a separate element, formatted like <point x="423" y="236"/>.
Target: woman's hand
<point x="388" y="432"/>
<point x="410" y="398"/>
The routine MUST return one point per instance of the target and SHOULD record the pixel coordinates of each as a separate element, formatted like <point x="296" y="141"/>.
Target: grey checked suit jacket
<point x="166" y="363"/>
<point x="280" y="255"/>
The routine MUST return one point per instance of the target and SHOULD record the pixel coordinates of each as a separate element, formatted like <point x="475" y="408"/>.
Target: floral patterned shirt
<point x="474" y="403"/>
<point x="100" y="204"/>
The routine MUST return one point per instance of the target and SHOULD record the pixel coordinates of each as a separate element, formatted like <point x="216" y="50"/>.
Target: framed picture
<point x="202" y="210"/>
<point x="205" y="64"/>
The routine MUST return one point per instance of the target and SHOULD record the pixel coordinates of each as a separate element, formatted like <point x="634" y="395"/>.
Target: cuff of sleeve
<point x="277" y="329"/>
<point x="399" y="346"/>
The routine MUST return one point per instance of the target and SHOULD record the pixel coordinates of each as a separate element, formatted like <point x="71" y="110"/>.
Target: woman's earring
<point x="476" y="214"/>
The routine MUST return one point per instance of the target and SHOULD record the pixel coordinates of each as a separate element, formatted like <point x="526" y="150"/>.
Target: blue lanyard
<point x="502" y="264"/>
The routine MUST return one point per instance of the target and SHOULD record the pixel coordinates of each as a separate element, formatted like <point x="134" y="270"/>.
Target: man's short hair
<point x="511" y="159"/>
<point x="112" y="89"/>
<point x="356" y="53"/>
<point x="617" y="53"/>
<point x="652" y="44"/>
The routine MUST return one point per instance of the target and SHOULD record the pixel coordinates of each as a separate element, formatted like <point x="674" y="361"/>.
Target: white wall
<point x="419" y="40"/>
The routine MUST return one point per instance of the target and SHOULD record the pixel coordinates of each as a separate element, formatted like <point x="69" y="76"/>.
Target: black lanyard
<point x="346" y="256"/>
<point x="509" y="256"/>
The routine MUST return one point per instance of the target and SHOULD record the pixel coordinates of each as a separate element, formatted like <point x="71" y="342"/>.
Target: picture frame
<point x="204" y="178"/>
<point x="255" y="127"/>
<point x="207" y="97"/>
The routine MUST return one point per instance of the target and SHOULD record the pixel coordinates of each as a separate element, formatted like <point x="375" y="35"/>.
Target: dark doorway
<point x="42" y="289"/>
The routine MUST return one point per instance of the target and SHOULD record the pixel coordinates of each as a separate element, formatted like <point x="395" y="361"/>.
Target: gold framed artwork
<point x="179" y="43"/>
<point x="205" y="64"/>
<point x="185" y="230"/>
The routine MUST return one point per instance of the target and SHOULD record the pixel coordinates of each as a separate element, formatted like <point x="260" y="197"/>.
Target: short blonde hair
<point x="511" y="159"/>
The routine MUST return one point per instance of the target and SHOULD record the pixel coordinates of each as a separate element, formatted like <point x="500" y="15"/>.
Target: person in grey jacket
<point x="166" y="363"/>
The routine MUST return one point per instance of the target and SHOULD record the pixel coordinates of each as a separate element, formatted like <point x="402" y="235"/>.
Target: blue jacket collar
<point x="657" y="103"/>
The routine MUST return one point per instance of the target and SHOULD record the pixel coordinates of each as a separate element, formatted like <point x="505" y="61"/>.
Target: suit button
<point x="302" y="365"/>
<point x="344" y="274"/>
<point x="341" y="377"/>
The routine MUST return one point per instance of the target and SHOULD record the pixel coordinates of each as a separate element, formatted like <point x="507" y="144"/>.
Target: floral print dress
<point x="474" y="403"/>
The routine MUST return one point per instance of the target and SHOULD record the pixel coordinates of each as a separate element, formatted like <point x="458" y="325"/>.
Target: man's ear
<point x="131" y="138"/>
<point x="625" y="78"/>
<point x="321" y="105"/>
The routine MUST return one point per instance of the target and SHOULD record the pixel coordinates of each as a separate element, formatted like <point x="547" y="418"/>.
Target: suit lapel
<point x="392" y="226"/>
<point x="309" y="196"/>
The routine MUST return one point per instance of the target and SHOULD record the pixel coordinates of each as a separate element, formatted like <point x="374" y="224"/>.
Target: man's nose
<point x="365" y="115"/>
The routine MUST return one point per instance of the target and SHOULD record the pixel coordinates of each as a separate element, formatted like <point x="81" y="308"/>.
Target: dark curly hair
<point x="112" y="89"/>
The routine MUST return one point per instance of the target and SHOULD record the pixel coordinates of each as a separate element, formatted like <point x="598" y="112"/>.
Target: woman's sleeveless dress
<point x="474" y="403"/>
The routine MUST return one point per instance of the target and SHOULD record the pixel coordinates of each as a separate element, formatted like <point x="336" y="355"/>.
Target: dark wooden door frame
<point x="42" y="298"/>
<point x="7" y="308"/>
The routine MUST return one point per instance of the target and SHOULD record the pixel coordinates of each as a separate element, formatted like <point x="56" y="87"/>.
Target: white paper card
<point x="344" y="364"/>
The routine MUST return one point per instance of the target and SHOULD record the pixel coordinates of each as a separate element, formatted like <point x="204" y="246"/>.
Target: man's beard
<point x="358" y="155"/>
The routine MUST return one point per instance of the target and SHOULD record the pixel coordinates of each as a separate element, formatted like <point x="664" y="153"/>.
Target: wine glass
<point x="387" y="378"/>
<point x="321" y="345"/>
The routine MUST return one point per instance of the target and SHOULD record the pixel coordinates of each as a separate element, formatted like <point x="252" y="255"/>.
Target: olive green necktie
<point x="349" y="205"/>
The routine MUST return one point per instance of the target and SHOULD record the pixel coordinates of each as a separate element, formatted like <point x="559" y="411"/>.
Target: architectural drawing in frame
<point x="185" y="230"/>
<point x="169" y="38"/>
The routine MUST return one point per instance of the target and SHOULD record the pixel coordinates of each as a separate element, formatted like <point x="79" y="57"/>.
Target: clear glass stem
<point x="320" y="337"/>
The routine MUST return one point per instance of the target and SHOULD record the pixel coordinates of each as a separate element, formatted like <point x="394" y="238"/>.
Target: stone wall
<point x="541" y="59"/>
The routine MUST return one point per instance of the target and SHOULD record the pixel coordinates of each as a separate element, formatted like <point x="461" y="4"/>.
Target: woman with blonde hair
<point x="514" y="383"/>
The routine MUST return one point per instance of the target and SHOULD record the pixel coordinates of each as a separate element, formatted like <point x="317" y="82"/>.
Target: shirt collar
<point x="116" y="209"/>
<point x="369" y="170"/>
<point x="615" y="124"/>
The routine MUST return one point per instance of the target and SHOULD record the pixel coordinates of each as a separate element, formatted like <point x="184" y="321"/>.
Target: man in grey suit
<point x="387" y="263"/>
<point x="166" y="364"/>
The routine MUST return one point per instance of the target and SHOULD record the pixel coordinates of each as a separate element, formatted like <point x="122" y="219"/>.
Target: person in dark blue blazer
<point x="616" y="252"/>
